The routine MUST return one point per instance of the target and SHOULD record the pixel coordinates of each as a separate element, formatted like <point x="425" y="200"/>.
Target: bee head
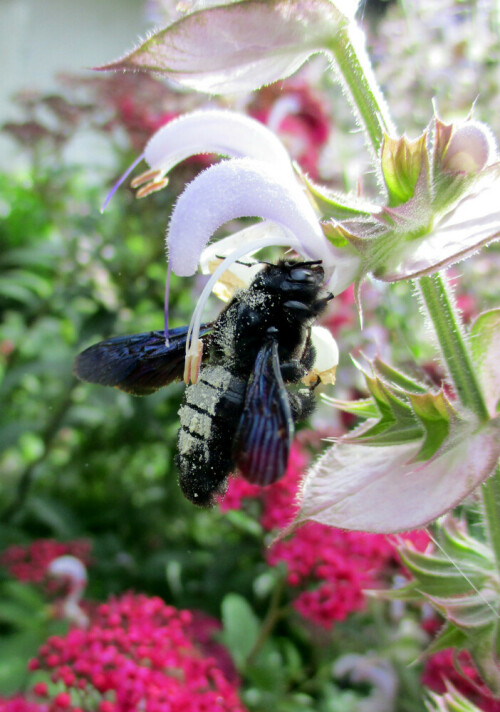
<point x="291" y="277"/>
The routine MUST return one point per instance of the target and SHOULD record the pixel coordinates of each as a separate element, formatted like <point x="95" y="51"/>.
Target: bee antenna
<point x="238" y="262"/>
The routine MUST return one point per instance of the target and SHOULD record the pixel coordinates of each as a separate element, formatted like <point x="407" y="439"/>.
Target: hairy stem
<point x="451" y="337"/>
<point x="360" y="82"/>
<point x="454" y="348"/>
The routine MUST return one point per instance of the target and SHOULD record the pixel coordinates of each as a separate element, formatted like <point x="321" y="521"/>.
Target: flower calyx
<point x="460" y="580"/>
<point x="440" y="204"/>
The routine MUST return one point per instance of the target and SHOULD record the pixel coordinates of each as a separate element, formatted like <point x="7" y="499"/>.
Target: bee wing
<point x="265" y="431"/>
<point x="139" y="364"/>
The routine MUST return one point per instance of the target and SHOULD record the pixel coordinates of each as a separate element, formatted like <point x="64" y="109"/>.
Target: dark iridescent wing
<point x="139" y="364"/>
<point x="265" y="431"/>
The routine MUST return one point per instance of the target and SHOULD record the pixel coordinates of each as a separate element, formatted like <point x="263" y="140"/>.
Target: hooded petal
<point x="375" y="489"/>
<point x="235" y="189"/>
<point x="241" y="46"/>
<point x="226" y="133"/>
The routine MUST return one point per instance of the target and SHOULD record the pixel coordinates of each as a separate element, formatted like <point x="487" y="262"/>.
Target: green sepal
<point x="468" y="612"/>
<point x="364" y="408"/>
<point x="433" y="412"/>
<point x="448" y="637"/>
<point x="451" y="701"/>
<point x="396" y="423"/>
<point x="403" y="163"/>
<point x="398" y="378"/>
<point x="460" y="580"/>
<point x="400" y="410"/>
<point x="336" y="205"/>
<point x="437" y="575"/>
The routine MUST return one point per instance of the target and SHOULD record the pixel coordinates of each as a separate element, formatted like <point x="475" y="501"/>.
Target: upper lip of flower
<point x="257" y="180"/>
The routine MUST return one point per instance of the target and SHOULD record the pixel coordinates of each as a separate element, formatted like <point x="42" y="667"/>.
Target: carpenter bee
<point x="239" y="415"/>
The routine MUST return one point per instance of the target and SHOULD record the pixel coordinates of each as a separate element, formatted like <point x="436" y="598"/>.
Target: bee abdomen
<point x="209" y="417"/>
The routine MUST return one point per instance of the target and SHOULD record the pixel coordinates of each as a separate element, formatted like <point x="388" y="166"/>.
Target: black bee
<point x="239" y="415"/>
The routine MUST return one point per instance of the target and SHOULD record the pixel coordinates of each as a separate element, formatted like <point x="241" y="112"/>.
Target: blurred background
<point x="89" y="471"/>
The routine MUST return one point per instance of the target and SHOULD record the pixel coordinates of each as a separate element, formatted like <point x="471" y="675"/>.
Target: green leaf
<point x="241" y="628"/>
<point x="485" y="348"/>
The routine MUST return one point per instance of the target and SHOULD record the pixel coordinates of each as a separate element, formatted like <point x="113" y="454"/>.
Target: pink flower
<point x="19" y="703"/>
<point x="298" y="117"/>
<point x="457" y="668"/>
<point x="139" y="653"/>
<point x="330" y="568"/>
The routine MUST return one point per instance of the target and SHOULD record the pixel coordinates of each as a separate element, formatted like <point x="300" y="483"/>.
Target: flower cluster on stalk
<point x="329" y="568"/>
<point x="137" y="653"/>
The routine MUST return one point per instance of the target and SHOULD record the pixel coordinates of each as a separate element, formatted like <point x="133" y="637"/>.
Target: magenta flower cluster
<point x="457" y="667"/>
<point x="137" y="653"/>
<point x="329" y="567"/>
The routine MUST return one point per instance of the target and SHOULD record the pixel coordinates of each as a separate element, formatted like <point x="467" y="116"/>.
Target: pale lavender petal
<point x="241" y="46"/>
<point x="226" y="133"/>
<point x="235" y="189"/>
<point x="374" y="489"/>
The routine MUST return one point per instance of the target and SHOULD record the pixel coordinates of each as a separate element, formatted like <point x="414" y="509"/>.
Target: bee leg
<point x="293" y="371"/>
<point x="304" y="311"/>
<point x="302" y="404"/>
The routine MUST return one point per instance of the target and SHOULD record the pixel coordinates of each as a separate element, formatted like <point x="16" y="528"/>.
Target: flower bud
<point x="470" y="149"/>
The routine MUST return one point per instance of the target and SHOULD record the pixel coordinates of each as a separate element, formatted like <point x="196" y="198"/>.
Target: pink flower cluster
<point x="458" y="668"/>
<point x="137" y="653"/>
<point x="22" y="704"/>
<point x="332" y="567"/>
<point x="298" y="116"/>
<point x="30" y="563"/>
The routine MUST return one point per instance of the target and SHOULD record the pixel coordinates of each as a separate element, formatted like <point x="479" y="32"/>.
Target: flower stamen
<point x="151" y="187"/>
<point x="193" y="362"/>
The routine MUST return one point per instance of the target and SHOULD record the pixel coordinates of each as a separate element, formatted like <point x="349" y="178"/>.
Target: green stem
<point x="361" y="84"/>
<point x="450" y="333"/>
<point x="273" y="615"/>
